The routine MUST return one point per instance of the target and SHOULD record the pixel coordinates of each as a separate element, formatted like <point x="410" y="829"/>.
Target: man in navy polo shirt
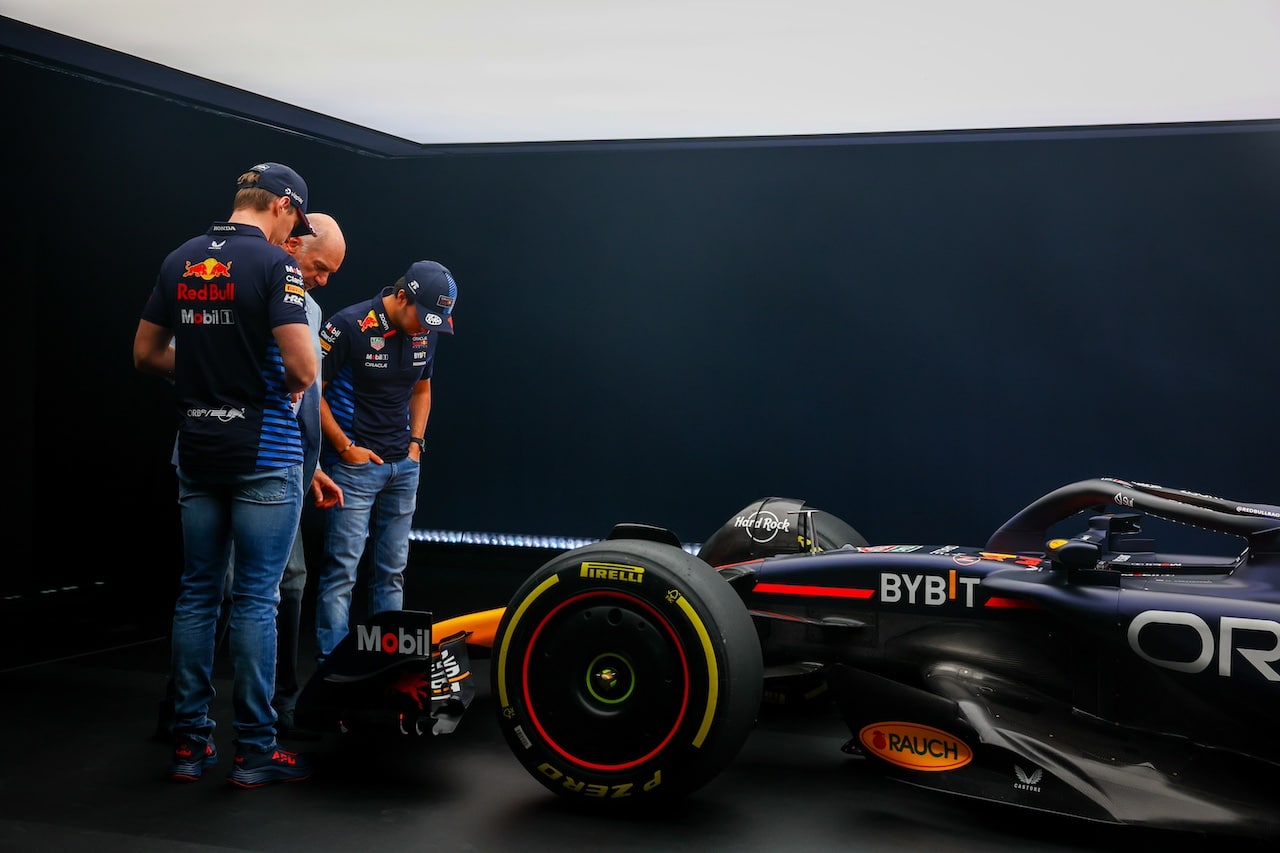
<point x="377" y="364"/>
<point x="318" y="257"/>
<point x="226" y="320"/>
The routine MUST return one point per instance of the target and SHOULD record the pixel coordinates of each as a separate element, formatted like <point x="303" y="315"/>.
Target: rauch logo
<point x="915" y="747"/>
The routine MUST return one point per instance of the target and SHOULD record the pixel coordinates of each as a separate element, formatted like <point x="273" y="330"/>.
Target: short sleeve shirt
<point x="221" y="294"/>
<point x="370" y="370"/>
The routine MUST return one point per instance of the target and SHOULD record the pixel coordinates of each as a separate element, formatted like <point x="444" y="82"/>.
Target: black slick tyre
<point x="626" y="672"/>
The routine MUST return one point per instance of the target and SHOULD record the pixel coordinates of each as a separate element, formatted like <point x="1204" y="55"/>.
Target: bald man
<point x="318" y="257"/>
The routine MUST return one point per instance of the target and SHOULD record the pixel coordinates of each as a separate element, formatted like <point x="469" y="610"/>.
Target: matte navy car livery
<point x="1069" y="664"/>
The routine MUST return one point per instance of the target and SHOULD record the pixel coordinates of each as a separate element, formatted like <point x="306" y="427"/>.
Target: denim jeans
<point x="289" y="626"/>
<point x="259" y="512"/>
<point x="378" y="501"/>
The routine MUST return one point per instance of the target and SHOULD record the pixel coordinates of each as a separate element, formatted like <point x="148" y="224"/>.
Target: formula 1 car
<point x="1084" y="672"/>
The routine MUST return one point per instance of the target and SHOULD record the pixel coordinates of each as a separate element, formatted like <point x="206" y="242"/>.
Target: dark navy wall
<point x="919" y="334"/>
<point x="918" y="337"/>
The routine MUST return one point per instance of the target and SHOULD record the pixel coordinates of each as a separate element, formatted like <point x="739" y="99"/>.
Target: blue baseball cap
<point x="436" y="292"/>
<point x="280" y="180"/>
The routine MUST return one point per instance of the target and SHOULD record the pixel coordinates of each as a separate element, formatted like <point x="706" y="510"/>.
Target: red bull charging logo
<point x="208" y="269"/>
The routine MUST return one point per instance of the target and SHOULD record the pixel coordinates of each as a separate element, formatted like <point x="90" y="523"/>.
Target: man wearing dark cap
<point x="378" y="357"/>
<point x="227" y="323"/>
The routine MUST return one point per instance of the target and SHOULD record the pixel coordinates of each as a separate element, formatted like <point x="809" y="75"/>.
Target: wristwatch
<point x="421" y="442"/>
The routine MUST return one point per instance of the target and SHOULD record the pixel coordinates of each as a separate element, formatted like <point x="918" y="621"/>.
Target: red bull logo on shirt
<point x="208" y="269"/>
<point x="207" y="292"/>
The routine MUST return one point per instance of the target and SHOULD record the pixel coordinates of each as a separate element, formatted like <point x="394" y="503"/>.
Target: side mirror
<point x="1074" y="554"/>
<point x="1080" y="558"/>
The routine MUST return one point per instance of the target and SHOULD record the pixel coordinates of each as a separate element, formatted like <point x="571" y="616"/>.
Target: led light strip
<point x="512" y="540"/>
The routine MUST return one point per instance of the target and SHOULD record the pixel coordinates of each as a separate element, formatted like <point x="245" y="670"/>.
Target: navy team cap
<point x="435" y="291"/>
<point x="279" y="179"/>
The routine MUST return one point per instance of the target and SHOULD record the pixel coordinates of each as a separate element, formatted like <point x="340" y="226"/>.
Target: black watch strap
<point x="421" y="442"/>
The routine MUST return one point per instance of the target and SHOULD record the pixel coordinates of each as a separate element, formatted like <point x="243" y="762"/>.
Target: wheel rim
<point x="610" y="679"/>
<point x="606" y="675"/>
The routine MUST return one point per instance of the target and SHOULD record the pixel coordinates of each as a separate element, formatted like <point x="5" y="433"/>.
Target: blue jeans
<point x="259" y="513"/>
<point x="289" y="626"/>
<point x="378" y="501"/>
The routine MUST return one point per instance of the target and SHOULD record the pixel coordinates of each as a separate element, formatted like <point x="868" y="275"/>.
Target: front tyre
<point x="626" y="672"/>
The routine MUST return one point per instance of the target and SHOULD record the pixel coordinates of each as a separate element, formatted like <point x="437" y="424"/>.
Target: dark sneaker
<point x="190" y="758"/>
<point x="287" y="727"/>
<point x="254" y="769"/>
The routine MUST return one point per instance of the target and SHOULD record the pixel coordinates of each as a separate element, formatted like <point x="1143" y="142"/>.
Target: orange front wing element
<point x="480" y="627"/>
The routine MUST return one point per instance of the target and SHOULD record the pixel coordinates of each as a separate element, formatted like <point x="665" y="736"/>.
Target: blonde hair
<point x="251" y="197"/>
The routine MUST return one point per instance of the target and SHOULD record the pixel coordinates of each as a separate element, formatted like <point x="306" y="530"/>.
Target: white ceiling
<point x="480" y="71"/>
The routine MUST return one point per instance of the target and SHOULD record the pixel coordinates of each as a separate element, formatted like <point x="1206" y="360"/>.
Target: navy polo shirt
<point x="369" y="370"/>
<point x="221" y="294"/>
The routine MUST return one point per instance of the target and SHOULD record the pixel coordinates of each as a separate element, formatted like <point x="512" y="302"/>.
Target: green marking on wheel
<point x="610" y="679"/>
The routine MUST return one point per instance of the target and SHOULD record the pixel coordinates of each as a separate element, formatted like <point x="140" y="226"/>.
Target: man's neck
<point x="260" y="219"/>
<point x="389" y="302"/>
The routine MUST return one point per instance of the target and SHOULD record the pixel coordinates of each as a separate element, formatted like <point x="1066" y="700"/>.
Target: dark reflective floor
<point x="81" y="771"/>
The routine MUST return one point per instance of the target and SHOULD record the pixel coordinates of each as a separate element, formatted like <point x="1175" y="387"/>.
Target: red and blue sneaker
<point x="190" y="757"/>
<point x="255" y="768"/>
